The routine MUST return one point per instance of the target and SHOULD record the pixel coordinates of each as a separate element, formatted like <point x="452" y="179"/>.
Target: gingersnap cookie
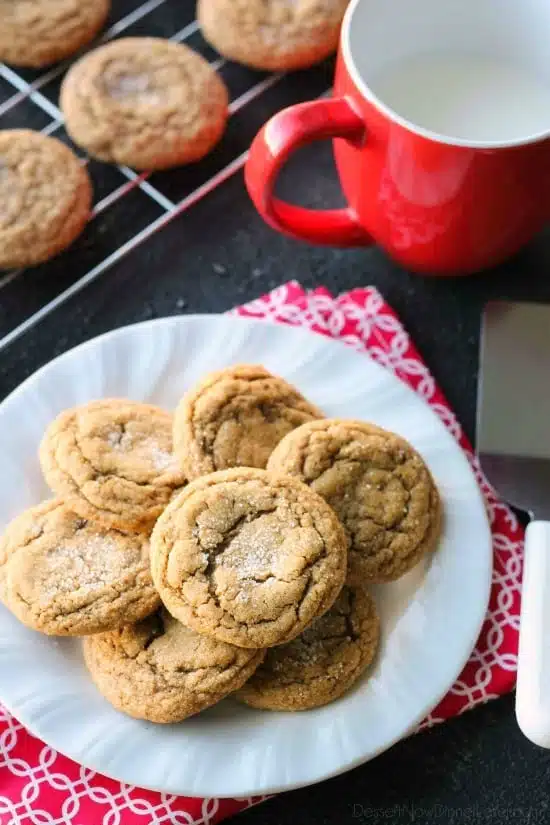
<point x="144" y="102"/>
<point x="66" y="576"/>
<point x="379" y="487"/>
<point x="234" y="418"/>
<point x="45" y="197"/>
<point x="248" y="557"/>
<point x="272" y="34"/>
<point x="113" y="460"/>
<point x="161" y="671"/>
<point x="36" y="33"/>
<point x="323" y="662"/>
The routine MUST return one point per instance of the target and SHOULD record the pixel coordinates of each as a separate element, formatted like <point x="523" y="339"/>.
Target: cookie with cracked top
<point x="113" y="460"/>
<point x="235" y="417"/>
<point x="323" y="662"/>
<point x="161" y="671"/>
<point x="144" y="102"/>
<point x="248" y="557"/>
<point x="378" y="485"/>
<point x="272" y="35"/>
<point x="46" y="196"/>
<point x="36" y="33"/>
<point x="66" y="576"/>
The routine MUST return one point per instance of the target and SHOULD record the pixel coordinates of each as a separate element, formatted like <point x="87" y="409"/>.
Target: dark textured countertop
<point x="475" y="769"/>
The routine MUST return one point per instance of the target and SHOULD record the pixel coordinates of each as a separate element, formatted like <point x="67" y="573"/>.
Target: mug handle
<point x="287" y="131"/>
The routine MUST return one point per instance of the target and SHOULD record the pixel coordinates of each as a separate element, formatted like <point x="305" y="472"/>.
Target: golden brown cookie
<point x="113" y="460"/>
<point x="272" y="34"/>
<point x="45" y="197"/>
<point x="234" y="418"/>
<point x="248" y="557"/>
<point x="323" y="662"/>
<point x="161" y="671"/>
<point x="144" y="102"/>
<point x="66" y="576"/>
<point x="36" y="33"/>
<point x="378" y="485"/>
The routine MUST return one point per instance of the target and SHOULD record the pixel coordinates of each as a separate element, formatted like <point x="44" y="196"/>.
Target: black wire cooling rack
<point x="129" y="208"/>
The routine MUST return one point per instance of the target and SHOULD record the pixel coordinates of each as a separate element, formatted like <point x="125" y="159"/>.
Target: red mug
<point x="438" y="204"/>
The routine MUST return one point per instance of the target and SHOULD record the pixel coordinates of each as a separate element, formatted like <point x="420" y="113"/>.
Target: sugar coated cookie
<point x="379" y="487"/>
<point x="36" y="33"/>
<point x="45" y="194"/>
<point x="66" y="576"/>
<point x="235" y="417"/>
<point x="323" y="662"/>
<point x="247" y="557"/>
<point x="272" y="34"/>
<point x="161" y="671"/>
<point x="113" y="460"/>
<point x="144" y="102"/>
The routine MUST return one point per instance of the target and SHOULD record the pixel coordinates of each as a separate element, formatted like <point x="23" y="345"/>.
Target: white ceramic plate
<point x="430" y="618"/>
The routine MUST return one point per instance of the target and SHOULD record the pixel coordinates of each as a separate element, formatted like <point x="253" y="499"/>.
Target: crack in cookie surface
<point x="323" y="662"/>
<point x="235" y="417"/>
<point x="164" y="672"/>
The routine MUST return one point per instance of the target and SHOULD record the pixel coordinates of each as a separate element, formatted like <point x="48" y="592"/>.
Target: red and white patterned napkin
<point x="37" y="784"/>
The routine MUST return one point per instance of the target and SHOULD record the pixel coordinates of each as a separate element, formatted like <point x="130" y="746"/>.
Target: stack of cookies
<point x="225" y="550"/>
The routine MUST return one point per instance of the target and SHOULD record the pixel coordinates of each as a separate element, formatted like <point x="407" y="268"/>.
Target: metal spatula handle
<point x="533" y="682"/>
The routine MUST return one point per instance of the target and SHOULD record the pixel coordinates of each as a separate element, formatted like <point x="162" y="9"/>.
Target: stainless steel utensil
<point x="513" y="443"/>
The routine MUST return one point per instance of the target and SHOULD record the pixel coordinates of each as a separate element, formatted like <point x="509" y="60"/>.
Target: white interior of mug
<point x="378" y="34"/>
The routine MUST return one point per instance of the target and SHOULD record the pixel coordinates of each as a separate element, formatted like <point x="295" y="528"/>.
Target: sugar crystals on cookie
<point x="323" y="662"/>
<point x="248" y="557"/>
<point x="66" y="576"/>
<point x="113" y="459"/>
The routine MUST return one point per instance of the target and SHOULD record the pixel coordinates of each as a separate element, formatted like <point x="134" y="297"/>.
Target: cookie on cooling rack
<point x="46" y="196"/>
<point x="36" y="33"/>
<point x="274" y="35"/>
<point x="144" y="102"/>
